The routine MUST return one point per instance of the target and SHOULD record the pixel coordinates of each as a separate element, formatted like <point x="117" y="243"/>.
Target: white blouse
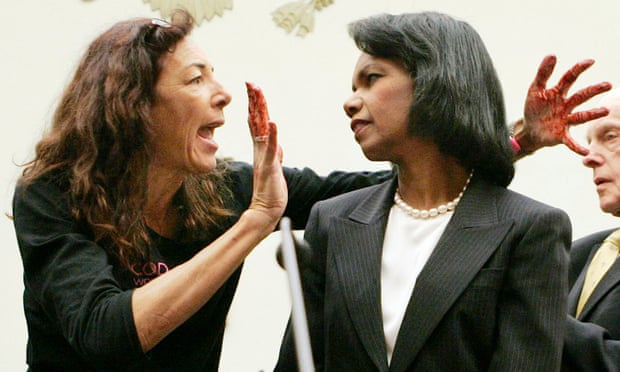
<point x="407" y="246"/>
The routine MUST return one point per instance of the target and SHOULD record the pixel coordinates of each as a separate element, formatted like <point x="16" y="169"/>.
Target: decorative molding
<point x="295" y="15"/>
<point x="199" y="9"/>
<point x="298" y="15"/>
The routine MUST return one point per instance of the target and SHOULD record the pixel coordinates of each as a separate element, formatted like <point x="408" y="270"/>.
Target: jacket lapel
<point x="358" y="263"/>
<point x="609" y="281"/>
<point x="575" y="291"/>
<point x="475" y="233"/>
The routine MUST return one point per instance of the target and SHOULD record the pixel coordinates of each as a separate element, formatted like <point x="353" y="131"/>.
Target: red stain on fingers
<point x="549" y="111"/>
<point x="258" y="115"/>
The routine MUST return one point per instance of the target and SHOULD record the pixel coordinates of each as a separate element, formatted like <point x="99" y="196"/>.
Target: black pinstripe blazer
<point x="492" y="296"/>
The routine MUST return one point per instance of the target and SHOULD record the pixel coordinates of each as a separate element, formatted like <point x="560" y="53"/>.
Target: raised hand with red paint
<point x="258" y="115"/>
<point x="269" y="188"/>
<point x="548" y="111"/>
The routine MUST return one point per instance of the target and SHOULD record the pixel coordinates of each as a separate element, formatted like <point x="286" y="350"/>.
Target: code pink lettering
<point x="148" y="271"/>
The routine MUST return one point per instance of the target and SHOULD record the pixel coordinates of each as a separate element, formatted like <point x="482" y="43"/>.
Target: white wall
<point x="305" y="81"/>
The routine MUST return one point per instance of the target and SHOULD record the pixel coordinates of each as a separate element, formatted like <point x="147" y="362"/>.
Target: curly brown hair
<point x="98" y="140"/>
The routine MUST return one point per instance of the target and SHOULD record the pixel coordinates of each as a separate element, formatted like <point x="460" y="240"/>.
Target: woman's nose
<point x="221" y="98"/>
<point x="352" y="105"/>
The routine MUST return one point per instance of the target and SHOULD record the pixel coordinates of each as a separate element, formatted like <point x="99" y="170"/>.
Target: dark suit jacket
<point x="593" y="340"/>
<point x="492" y="295"/>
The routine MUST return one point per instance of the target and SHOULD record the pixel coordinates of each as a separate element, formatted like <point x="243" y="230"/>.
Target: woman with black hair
<point x="441" y="268"/>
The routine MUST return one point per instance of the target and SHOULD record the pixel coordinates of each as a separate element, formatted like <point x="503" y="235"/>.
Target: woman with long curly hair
<point x="126" y="187"/>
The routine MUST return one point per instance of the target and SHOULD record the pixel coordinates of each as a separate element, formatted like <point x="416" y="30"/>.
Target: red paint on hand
<point x="258" y="115"/>
<point x="548" y="112"/>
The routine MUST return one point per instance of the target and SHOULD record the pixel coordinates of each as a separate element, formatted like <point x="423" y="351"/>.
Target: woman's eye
<point x="196" y="80"/>
<point x="371" y="78"/>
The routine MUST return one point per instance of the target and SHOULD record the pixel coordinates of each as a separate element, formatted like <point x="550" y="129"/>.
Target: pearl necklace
<point x="433" y="212"/>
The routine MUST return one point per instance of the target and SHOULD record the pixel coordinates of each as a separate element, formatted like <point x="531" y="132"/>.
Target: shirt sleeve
<point x="69" y="279"/>
<point x="305" y="187"/>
